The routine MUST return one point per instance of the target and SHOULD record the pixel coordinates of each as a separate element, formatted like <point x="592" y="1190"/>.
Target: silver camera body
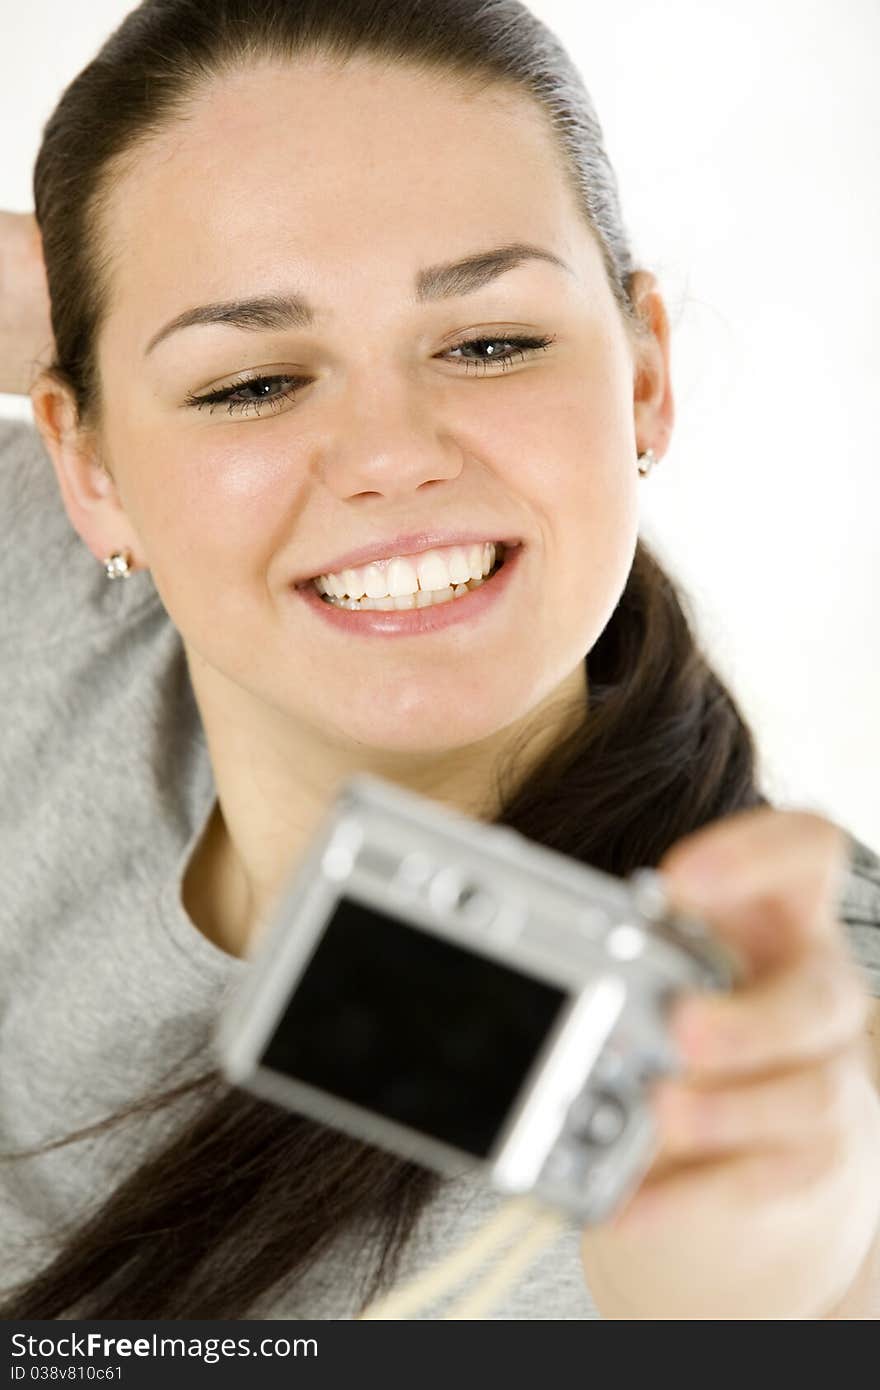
<point x="453" y="992"/>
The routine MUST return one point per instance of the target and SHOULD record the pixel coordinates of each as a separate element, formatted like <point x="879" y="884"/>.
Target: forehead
<point x="371" y="167"/>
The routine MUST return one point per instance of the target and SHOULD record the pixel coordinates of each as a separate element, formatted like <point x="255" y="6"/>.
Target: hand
<point x="763" y="1200"/>
<point x="26" y="341"/>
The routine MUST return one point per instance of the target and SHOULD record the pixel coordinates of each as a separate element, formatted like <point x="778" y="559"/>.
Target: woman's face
<point x="339" y="188"/>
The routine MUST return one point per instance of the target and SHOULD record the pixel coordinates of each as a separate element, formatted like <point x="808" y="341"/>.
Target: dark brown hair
<point x="243" y="1197"/>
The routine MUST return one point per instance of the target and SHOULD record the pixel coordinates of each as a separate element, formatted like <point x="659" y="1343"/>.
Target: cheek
<point x="595" y="548"/>
<point x="589" y="508"/>
<point x="241" y="490"/>
<point x="227" y="512"/>
<point x="574" y="430"/>
<point x="577" y="462"/>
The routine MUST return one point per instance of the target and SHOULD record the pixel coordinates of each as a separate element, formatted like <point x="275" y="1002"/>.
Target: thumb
<point x="764" y="880"/>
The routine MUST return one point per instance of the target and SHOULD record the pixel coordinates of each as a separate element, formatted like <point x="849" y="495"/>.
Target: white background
<point x="745" y="139"/>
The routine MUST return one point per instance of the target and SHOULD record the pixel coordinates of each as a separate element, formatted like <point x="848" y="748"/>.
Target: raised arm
<point x="26" y="341"/>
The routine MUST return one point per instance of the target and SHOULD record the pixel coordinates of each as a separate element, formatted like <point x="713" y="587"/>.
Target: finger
<point x="789" y="1017"/>
<point x="706" y="1191"/>
<point x="810" y="1103"/>
<point x="768" y="880"/>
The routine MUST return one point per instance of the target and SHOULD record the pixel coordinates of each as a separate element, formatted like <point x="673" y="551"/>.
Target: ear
<point x="653" y="404"/>
<point x="88" y="490"/>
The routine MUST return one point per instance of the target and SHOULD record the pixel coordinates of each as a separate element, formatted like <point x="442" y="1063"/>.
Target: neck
<point x="268" y="807"/>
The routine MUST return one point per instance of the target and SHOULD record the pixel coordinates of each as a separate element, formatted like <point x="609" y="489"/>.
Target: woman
<point x="285" y="246"/>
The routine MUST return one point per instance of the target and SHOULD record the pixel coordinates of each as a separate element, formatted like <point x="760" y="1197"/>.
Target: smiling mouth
<point x="422" y="598"/>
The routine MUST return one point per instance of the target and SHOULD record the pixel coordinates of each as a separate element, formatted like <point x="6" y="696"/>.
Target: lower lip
<point x="407" y="622"/>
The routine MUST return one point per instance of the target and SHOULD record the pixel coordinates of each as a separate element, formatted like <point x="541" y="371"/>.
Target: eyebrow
<point x="444" y="281"/>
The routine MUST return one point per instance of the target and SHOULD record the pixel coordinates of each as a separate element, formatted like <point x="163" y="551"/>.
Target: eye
<point x="520" y="346"/>
<point x="240" y="407"/>
<point x="515" y="348"/>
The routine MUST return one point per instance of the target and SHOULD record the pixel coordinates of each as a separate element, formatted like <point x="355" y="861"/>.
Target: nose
<point x="389" y="445"/>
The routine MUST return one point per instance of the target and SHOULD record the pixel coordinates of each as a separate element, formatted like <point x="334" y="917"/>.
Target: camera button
<point x="451" y="891"/>
<point x="625" y="941"/>
<point x="597" y="1119"/>
<point x="414" y="871"/>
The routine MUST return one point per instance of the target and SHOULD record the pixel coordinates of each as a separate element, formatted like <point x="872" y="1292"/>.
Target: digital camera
<point x="458" y="994"/>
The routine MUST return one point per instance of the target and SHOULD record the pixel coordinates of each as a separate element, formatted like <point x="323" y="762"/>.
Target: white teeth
<point x="475" y="561"/>
<point x="353" y="583"/>
<point x="401" y="577"/>
<point x="430" y="571"/>
<point x="458" y="565"/>
<point x="423" y="598"/>
<point x="374" y="578"/>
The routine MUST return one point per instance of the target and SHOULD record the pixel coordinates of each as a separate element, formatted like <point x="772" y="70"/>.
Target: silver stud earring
<point x="646" y="462"/>
<point x="118" y="565"/>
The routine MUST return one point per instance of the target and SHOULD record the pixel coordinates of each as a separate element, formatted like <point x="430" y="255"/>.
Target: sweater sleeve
<point x="859" y="911"/>
<point x="52" y="589"/>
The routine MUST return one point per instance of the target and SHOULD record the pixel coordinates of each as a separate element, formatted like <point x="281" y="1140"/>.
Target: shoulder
<point x="860" y="893"/>
<point x="53" y="589"/>
<point x="16" y="434"/>
<point x="859" y="909"/>
<point x="30" y="499"/>
<point x="25" y="467"/>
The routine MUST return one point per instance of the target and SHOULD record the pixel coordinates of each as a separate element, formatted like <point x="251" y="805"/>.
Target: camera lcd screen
<point x="412" y="1026"/>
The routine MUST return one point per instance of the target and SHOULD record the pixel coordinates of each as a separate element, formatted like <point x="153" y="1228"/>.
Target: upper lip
<point x="410" y="544"/>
